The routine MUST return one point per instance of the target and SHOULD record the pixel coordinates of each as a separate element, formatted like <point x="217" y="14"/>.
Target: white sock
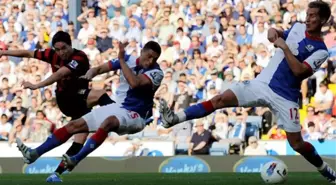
<point x="323" y="166"/>
<point x="181" y="116"/>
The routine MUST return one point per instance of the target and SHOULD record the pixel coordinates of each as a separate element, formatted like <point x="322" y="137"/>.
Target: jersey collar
<point x="313" y="37"/>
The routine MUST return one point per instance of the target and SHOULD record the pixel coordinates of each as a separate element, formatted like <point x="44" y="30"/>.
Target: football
<point x="274" y="172"/>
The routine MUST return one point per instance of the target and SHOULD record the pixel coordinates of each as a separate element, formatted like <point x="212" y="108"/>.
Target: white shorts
<point x="258" y="94"/>
<point x="130" y="122"/>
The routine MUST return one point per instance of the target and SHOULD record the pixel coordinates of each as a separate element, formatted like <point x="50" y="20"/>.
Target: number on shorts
<point x="133" y="115"/>
<point x="294" y="113"/>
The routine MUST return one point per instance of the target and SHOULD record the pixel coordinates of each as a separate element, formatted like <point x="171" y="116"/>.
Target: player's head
<point x="61" y="42"/>
<point x="318" y="14"/>
<point x="149" y="54"/>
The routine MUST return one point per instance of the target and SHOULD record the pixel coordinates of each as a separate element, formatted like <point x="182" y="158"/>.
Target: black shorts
<point x="71" y="104"/>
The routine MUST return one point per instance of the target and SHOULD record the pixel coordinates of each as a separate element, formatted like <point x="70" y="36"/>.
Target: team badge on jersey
<point x="73" y="64"/>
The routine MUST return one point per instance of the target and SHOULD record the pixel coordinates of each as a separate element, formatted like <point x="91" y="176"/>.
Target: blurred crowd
<point x="207" y="45"/>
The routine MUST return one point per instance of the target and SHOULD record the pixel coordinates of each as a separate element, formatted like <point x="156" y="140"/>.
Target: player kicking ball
<point x="139" y="80"/>
<point x="300" y="52"/>
<point x="73" y="95"/>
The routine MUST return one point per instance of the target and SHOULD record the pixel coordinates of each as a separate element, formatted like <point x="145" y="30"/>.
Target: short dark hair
<point x="324" y="9"/>
<point x="179" y="29"/>
<point x="153" y="46"/>
<point x="40" y="111"/>
<point x="61" y="36"/>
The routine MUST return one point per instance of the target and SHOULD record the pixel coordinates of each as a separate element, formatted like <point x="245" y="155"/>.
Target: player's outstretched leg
<point x="56" y="139"/>
<point x="169" y="118"/>
<point x="76" y="146"/>
<point x="308" y="151"/>
<point x="110" y="124"/>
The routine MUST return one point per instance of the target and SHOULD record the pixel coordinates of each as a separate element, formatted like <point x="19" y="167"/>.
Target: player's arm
<point x="152" y="77"/>
<point x="306" y="68"/>
<point x="17" y="53"/>
<point x="58" y="75"/>
<point x="112" y="65"/>
<point x="274" y="34"/>
<point x="73" y="67"/>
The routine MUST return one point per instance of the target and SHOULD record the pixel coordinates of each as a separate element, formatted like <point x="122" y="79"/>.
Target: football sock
<point x="105" y="100"/>
<point x="311" y="155"/>
<point x="73" y="150"/>
<point x="59" y="137"/>
<point x="94" y="142"/>
<point x="196" y="111"/>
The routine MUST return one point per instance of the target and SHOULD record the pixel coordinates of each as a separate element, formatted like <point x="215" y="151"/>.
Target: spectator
<point x="311" y="133"/>
<point x="103" y="41"/>
<point x="85" y="32"/>
<point x="311" y="117"/>
<point x="91" y="49"/>
<point x="19" y="131"/>
<point x="221" y="126"/>
<point x="276" y="133"/>
<point x="183" y="97"/>
<point x="200" y="140"/>
<point x="5" y="127"/>
<point x="331" y="129"/>
<point x="323" y="98"/>
<point x="182" y="38"/>
<point x="236" y="134"/>
<point x="254" y="148"/>
<point x="243" y="38"/>
<point x="18" y="110"/>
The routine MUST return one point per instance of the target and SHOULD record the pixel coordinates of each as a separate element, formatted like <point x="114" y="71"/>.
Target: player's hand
<point x="121" y="54"/>
<point x="28" y="85"/>
<point x="272" y="35"/>
<point x="91" y="73"/>
<point x="280" y="43"/>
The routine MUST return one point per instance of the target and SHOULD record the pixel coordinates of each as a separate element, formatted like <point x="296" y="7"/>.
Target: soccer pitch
<point x="162" y="179"/>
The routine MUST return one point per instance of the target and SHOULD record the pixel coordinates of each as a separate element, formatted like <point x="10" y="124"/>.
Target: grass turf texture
<point x="161" y="179"/>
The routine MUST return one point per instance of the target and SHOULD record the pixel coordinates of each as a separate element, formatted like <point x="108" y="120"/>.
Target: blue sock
<point x="59" y="137"/>
<point x="48" y="145"/>
<point x="94" y="142"/>
<point x="199" y="110"/>
<point x="89" y="147"/>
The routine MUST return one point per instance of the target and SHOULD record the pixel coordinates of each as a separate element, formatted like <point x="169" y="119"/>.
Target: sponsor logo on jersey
<point x="252" y="164"/>
<point x="184" y="164"/>
<point x="42" y="166"/>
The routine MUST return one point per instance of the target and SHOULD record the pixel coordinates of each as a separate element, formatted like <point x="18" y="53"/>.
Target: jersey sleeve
<point x="78" y="65"/>
<point x="115" y="63"/>
<point x="286" y="32"/>
<point x="315" y="60"/>
<point x="45" y="55"/>
<point x="155" y="76"/>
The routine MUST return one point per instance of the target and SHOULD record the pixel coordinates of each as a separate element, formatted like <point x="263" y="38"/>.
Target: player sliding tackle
<point x="300" y="52"/>
<point x="139" y="80"/>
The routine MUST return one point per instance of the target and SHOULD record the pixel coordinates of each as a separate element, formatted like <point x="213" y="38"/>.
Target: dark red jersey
<point x="78" y="64"/>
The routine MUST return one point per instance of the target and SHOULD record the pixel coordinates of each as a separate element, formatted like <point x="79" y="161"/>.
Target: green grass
<point x="161" y="179"/>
